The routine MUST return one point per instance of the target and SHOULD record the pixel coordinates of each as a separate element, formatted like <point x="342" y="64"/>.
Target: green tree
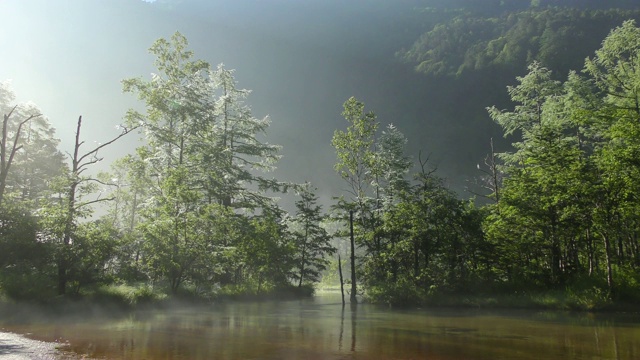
<point x="355" y="153"/>
<point x="196" y="118"/>
<point x="615" y="71"/>
<point x="130" y="193"/>
<point x="235" y="136"/>
<point x="311" y="241"/>
<point x="539" y="170"/>
<point x="202" y="151"/>
<point x="173" y="241"/>
<point x="266" y="254"/>
<point x="390" y="166"/>
<point x="354" y="150"/>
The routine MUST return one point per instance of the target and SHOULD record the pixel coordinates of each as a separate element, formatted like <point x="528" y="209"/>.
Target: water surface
<point x="321" y="328"/>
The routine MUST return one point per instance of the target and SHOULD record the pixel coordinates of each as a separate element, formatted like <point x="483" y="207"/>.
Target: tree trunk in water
<point x="353" y="298"/>
<point x="341" y="279"/>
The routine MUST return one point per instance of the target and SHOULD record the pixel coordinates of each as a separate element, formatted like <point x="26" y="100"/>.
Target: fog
<point x="302" y="60"/>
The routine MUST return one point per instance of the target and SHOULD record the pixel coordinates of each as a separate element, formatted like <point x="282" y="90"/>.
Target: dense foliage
<point x="192" y="212"/>
<point x="567" y="204"/>
<point x="558" y="38"/>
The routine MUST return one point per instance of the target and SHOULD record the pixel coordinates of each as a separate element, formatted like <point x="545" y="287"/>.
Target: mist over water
<point x="322" y="328"/>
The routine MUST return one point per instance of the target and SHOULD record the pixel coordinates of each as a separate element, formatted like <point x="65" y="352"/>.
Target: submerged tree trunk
<point x="353" y="298"/>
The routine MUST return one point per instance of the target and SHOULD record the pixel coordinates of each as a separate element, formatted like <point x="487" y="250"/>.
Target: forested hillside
<point x="559" y="38"/>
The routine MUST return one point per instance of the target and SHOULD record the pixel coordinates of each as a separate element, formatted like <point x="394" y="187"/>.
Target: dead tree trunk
<point x="341" y="279"/>
<point x="79" y="164"/>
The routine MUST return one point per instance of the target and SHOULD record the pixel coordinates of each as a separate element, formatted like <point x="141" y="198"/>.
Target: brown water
<point x="322" y="329"/>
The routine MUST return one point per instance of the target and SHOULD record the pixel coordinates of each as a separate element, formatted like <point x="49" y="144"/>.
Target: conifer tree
<point x="310" y="239"/>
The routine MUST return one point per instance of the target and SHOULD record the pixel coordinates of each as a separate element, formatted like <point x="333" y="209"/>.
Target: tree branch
<point x="98" y="181"/>
<point x="95" y="150"/>
<point x="78" y="206"/>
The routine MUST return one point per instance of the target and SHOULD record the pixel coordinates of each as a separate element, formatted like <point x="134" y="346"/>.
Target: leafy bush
<point x="26" y="284"/>
<point x="401" y="293"/>
<point x="126" y="295"/>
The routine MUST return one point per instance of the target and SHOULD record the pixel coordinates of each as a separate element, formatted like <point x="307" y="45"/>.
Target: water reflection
<point x="354" y="312"/>
<point x="324" y="329"/>
<point x="341" y="329"/>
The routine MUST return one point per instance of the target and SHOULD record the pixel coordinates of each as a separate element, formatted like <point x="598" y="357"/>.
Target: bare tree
<point x="79" y="163"/>
<point x="491" y="178"/>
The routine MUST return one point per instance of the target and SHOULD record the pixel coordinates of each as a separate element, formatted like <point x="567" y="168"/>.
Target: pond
<point x="321" y="328"/>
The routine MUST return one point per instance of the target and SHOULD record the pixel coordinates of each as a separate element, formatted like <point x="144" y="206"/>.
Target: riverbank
<point x="18" y="347"/>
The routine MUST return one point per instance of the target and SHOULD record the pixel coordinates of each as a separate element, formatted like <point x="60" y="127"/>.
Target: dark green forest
<point x="193" y="212"/>
<point x="558" y="38"/>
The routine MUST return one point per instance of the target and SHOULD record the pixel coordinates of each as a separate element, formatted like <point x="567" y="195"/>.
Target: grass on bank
<point x="121" y="299"/>
<point x="130" y="296"/>
<point x="145" y="295"/>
